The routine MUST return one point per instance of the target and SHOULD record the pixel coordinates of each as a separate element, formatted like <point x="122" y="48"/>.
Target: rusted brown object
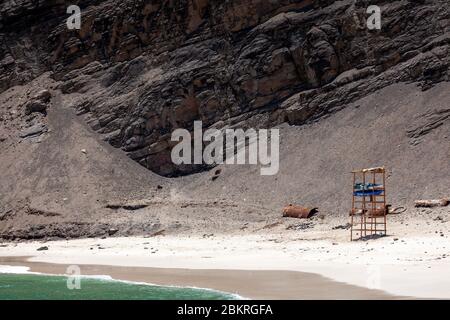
<point x="380" y="212"/>
<point x="432" y="203"/>
<point x="292" y="211"/>
<point x="357" y="212"/>
<point x="372" y="213"/>
<point x="377" y="212"/>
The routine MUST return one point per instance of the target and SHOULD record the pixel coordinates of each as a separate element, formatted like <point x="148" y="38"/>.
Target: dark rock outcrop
<point x="139" y="69"/>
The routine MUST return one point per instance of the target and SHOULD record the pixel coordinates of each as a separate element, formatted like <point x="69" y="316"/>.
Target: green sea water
<point x="42" y="287"/>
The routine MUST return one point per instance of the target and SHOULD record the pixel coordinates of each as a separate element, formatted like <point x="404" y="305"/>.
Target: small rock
<point x="44" y="248"/>
<point x="35" y="106"/>
<point x="112" y="231"/>
<point x="343" y="226"/>
<point x="158" y="233"/>
<point x="301" y="226"/>
<point x="43" y="95"/>
<point x="33" y="131"/>
<point x="208" y="235"/>
<point x="84" y="151"/>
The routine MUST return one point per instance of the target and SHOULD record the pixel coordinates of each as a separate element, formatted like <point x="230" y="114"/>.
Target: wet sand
<point x="246" y="283"/>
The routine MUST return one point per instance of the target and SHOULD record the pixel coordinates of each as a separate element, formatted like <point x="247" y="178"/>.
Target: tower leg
<point x="351" y="228"/>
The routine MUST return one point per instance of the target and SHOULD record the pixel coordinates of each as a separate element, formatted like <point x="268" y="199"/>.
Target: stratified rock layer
<point x="139" y="69"/>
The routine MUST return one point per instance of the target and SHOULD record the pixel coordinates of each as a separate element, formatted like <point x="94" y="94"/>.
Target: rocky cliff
<point x="137" y="69"/>
<point x="76" y="105"/>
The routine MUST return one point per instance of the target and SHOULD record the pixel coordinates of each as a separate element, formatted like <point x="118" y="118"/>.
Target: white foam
<point x="96" y="277"/>
<point x="14" y="269"/>
<point x="234" y="295"/>
<point x="109" y="278"/>
<point x="26" y="270"/>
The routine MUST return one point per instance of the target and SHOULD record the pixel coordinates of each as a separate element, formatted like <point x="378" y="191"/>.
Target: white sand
<point x="414" y="266"/>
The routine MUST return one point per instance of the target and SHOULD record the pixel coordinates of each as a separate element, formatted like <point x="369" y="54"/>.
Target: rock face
<point x="139" y="69"/>
<point x="39" y="103"/>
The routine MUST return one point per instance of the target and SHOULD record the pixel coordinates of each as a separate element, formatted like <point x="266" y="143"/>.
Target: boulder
<point x="43" y="96"/>
<point x="35" y="106"/>
<point x="33" y="131"/>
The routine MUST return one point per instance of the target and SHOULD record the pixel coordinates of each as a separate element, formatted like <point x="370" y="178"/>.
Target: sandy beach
<point x="136" y="144"/>
<point x="256" y="266"/>
<point x="244" y="284"/>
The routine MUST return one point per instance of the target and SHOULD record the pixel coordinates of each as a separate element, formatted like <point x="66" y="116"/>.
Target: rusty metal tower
<point x="369" y="209"/>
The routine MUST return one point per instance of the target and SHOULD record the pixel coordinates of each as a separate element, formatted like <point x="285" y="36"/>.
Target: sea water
<point x="45" y="287"/>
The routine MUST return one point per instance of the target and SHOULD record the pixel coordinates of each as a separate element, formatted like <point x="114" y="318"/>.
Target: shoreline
<point x="242" y="284"/>
<point x="21" y="266"/>
<point x="273" y="266"/>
